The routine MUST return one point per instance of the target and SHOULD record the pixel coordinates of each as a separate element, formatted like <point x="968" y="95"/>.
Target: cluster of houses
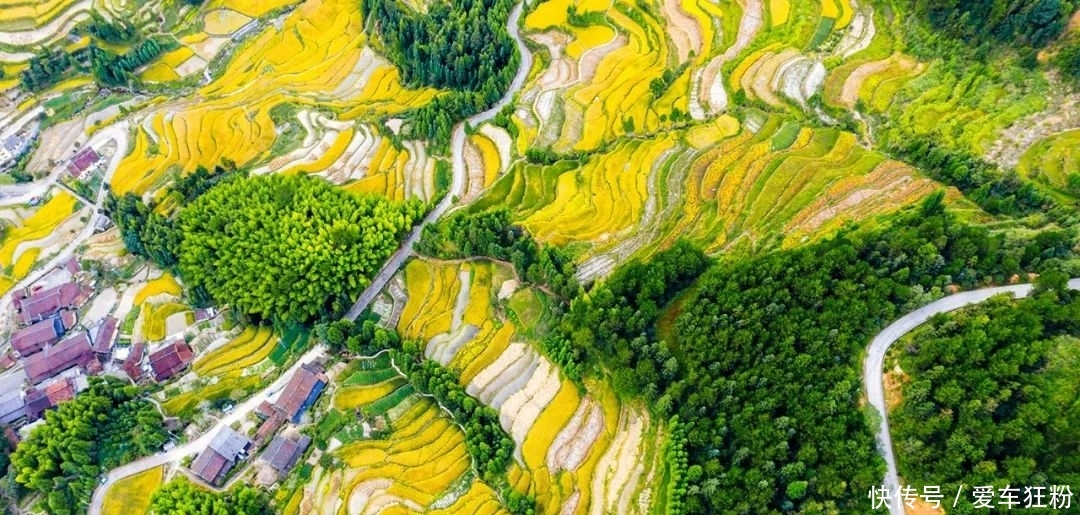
<point x="12" y="148"/>
<point x="57" y="357"/>
<point x="229" y="447"/>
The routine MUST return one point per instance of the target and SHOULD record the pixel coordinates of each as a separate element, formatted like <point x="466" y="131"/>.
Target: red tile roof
<point x="58" y="358"/>
<point x="106" y="333"/>
<point x="168" y="361"/>
<point x="68" y="318"/>
<point x="45" y="303"/>
<point x="82" y="161"/>
<point x="210" y="466"/>
<point x="36" y="404"/>
<point x="299" y="388"/>
<point x="133" y="364"/>
<point x="60" y="391"/>
<point x="269" y="426"/>
<point x="29" y="340"/>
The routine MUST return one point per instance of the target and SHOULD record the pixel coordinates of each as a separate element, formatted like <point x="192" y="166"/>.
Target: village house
<point x="283" y="453"/>
<point x="74" y="351"/>
<point x="105" y="336"/>
<point x="215" y="462"/>
<point x="302" y="391"/>
<point x="33" y="338"/>
<point x="43" y="304"/>
<point x="174" y="357"/>
<point x="85" y="160"/>
<point x="12" y="406"/>
<point x="38" y="400"/>
<point x="132" y="364"/>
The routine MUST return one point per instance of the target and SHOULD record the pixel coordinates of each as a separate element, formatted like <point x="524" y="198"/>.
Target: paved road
<point x="239" y="413"/>
<point x="377" y="284"/>
<point x="457" y="188"/>
<point x="874" y="364"/>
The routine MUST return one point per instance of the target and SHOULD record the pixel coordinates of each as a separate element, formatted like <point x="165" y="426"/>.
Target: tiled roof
<point x="82" y="161"/>
<point x="299" y="393"/>
<point x="282" y="453"/>
<point x="229" y="443"/>
<point x="133" y="364"/>
<point x="168" y="361"/>
<point x="45" y="303"/>
<point x="12" y="407"/>
<point x="105" y="334"/>
<point x="31" y="339"/>
<point x="58" y="358"/>
<point x="210" y="466"/>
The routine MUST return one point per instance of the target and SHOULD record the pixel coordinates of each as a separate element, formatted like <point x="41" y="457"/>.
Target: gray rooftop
<point x="229" y="443"/>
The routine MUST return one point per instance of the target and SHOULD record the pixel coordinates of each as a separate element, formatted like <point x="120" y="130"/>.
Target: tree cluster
<point x="180" y="497"/>
<point x="285" y="249"/>
<point x="111" y="69"/>
<point x="461" y="46"/>
<point x="992" y="397"/>
<point x="763" y="372"/>
<point x="493" y="234"/>
<point x="1008" y="22"/>
<point x="363" y="337"/>
<point x="995" y="191"/>
<point x="50" y="66"/>
<point x="115" y="32"/>
<point x="103" y="427"/>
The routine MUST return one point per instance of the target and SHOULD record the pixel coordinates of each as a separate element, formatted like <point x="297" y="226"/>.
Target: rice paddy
<point x="131" y="495"/>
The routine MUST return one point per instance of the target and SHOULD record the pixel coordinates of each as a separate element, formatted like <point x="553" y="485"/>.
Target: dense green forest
<point x="992" y="397"/>
<point x="105" y="426"/>
<point x="763" y="369"/>
<point x="461" y="46"/>
<point x="1010" y="22"/>
<point x="289" y="249"/>
<point x="493" y="234"/>
<point x="180" y="497"/>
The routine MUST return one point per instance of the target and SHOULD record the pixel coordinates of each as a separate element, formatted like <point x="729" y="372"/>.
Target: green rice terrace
<point x="563" y="257"/>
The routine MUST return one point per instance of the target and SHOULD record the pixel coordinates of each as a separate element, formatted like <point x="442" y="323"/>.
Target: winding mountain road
<point x="377" y="284"/>
<point x="874" y="364"/>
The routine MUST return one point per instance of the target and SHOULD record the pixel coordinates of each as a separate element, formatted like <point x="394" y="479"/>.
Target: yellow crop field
<point x="176" y="57"/>
<point x="547" y="426"/>
<point x="310" y="61"/>
<point x="23" y="14"/>
<point x="25" y="263"/>
<point x="480" y="295"/>
<point x="352" y="397"/>
<point x="490" y="155"/>
<point x="829" y="9"/>
<point x="224" y="387"/>
<point x="223" y="22"/>
<point x="160" y="72"/>
<point x="164" y="284"/>
<point x="779" y="10"/>
<point x="847" y="12"/>
<point x="548" y="14"/>
<point x="251" y="8"/>
<point x="154" y="319"/>
<point x="586" y="38"/>
<point x="38" y="225"/>
<point x="432" y="291"/>
<point x="131" y="495"/>
<point x="327" y="158"/>
<point x="605" y="197"/>
<point x="251" y="346"/>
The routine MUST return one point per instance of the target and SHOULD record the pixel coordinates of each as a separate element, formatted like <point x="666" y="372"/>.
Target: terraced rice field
<point x="1053" y="160"/>
<point x="165" y="285"/>
<point x="131" y="495"/>
<point x="35" y="234"/>
<point x="577" y="454"/>
<point x="249" y="348"/>
<point x="319" y="56"/>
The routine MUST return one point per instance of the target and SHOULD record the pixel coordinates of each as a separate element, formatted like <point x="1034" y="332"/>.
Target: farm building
<point x="132" y="365"/>
<point x="302" y="391"/>
<point x="12" y="407"/>
<point x="46" y="303"/>
<point x="218" y="459"/>
<point x="69" y="353"/>
<point x="105" y="335"/>
<point x="33" y="338"/>
<point x="171" y="359"/>
<point x="283" y="453"/>
<point x="273" y="419"/>
<point x="86" y="159"/>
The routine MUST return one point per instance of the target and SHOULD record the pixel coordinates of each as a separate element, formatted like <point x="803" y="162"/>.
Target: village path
<point x="874" y="364"/>
<point x="377" y="284"/>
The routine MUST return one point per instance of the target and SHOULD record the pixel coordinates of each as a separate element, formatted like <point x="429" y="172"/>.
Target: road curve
<point x="874" y="364"/>
<point x="377" y="284"/>
<point x="457" y="188"/>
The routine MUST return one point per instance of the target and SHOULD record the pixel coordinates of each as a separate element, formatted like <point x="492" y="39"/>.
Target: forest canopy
<point x="991" y="396"/>
<point x="288" y="248"/>
<point x="105" y="426"/>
